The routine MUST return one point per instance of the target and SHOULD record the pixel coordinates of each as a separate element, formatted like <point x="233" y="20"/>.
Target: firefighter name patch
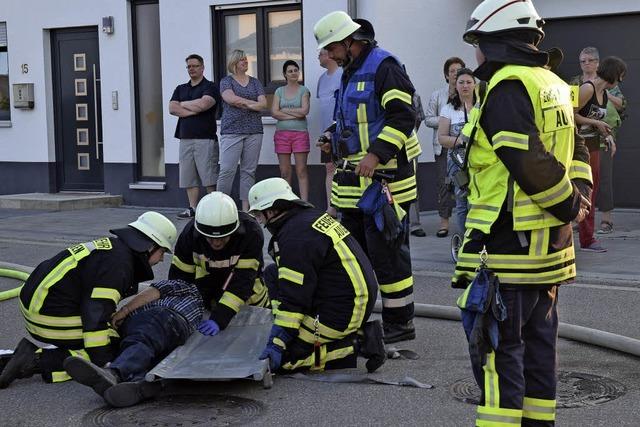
<point x="326" y="224"/>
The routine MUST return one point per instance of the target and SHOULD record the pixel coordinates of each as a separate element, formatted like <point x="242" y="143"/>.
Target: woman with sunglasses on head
<point x="240" y="126"/>
<point x="589" y="117"/>
<point x="453" y="117"/>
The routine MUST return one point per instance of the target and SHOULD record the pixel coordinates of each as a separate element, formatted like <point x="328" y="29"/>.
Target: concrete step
<point x="59" y="201"/>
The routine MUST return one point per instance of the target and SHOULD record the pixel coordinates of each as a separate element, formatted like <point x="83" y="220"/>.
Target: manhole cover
<point x="575" y="389"/>
<point x="179" y="411"/>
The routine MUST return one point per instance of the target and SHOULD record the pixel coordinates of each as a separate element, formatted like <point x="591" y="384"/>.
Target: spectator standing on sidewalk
<point x="438" y="100"/>
<point x="240" y="126"/>
<point x="614" y="116"/>
<point x="328" y="84"/>
<point x="453" y="117"/>
<point x="290" y="107"/>
<point x="589" y="61"/>
<point x="194" y="103"/>
<point x="589" y="117"/>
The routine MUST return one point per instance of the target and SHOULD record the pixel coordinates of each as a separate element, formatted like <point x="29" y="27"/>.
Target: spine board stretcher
<point x="230" y="355"/>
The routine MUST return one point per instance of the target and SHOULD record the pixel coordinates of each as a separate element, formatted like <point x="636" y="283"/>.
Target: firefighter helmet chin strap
<point x="271" y="220"/>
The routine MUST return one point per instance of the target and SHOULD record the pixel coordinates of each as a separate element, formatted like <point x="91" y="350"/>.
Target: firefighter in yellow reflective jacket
<point x="69" y="299"/>
<point x="322" y="286"/>
<point x="529" y="179"/>
<point x="220" y="251"/>
<point x="374" y="130"/>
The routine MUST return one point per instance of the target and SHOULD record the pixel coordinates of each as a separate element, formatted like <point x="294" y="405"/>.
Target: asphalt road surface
<point x="599" y="387"/>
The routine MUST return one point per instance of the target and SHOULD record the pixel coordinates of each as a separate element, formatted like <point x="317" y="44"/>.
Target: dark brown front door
<point x="78" y="122"/>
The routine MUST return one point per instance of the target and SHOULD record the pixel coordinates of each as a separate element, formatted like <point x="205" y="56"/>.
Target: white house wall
<point x="423" y="34"/>
<point x="30" y="138"/>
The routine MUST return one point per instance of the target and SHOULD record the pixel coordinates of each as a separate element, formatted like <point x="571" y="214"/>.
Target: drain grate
<point x="575" y="389"/>
<point x="179" y="411"/>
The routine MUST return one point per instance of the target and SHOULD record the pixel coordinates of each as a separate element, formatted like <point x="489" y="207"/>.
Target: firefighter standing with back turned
<point x="528" y="180"/>
<point x="68" y="300"/>
<point x="374" y="129"/>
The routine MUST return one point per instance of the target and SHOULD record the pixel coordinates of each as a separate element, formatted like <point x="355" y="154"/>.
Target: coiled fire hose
<point x="13" y="271"/>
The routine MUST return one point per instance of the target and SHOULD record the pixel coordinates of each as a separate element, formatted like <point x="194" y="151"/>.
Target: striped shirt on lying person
<point x="179" y="296"/>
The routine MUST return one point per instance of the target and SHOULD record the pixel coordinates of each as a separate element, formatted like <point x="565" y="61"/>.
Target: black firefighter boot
<point x="371" y="345"/>
<point x="23" y="364"/>
<point x="394" y="332"/>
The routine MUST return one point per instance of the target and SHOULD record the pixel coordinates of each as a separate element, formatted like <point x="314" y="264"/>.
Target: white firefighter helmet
<point x="334" y="27"/>
<point x="497" y="16"/>
<point x="216" y="215"/>
<point x="158" y="228"/>
<point x="265" y="193"/>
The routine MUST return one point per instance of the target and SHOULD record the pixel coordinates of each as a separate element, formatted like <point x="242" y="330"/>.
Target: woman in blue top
<point x="290" y="107"/>
<point x="240" y="127"/>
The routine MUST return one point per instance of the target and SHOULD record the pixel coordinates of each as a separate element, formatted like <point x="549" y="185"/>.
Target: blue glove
<point x="278" y="340"/>
<point x="209" y="327"/>
<point x="274" y="353"/>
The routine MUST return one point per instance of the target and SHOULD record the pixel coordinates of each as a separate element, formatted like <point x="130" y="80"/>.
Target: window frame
<point x="5" y="49"/>
<point x="138" y="174"/>
<point x="262" y="41"/>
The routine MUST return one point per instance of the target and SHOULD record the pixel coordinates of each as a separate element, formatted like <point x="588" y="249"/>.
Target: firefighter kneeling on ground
<point x="529" y="178"/>
<point x="322" y="286"/>
<point x="220" y="250"/>
<point x="68" y="300"/>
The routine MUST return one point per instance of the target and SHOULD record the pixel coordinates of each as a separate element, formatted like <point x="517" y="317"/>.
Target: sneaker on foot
<point x="606" y="227"/>
<point x="86" y="373"/>
<point x="394" y="332"/>
<point x="23" y="363"/>
<point x="187" y="214"/>
<point x="594" y="247"/>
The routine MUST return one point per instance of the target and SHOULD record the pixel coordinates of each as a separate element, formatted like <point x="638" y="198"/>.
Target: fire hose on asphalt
<point x="565" y="330"/>
<point x="13" y="271"/>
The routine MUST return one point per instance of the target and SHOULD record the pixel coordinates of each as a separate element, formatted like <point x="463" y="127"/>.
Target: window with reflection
<point x="269" y="36"/>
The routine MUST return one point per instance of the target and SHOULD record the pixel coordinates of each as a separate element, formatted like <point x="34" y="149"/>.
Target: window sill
<point x="148" y="185"/>
<point x="5" y="124"/>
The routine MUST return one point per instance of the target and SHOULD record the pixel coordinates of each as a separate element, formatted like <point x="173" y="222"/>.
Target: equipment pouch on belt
<point x="374" y="202"/>
<point x="481" y="309"/>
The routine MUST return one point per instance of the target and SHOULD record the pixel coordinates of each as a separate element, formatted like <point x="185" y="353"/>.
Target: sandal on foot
<point x="606" y="227"/>
<point x="443" y="232"/>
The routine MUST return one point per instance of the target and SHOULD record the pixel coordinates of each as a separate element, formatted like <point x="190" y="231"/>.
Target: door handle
<point x="95" y="110"/>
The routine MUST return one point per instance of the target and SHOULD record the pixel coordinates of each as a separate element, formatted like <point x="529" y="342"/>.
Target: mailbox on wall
<point x="23" y="95"/>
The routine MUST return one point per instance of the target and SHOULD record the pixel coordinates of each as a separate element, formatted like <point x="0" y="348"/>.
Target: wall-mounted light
<point x="107" y="24"/>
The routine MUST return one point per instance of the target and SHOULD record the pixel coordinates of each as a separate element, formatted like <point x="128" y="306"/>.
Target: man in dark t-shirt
<point x="194" y="103"/>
